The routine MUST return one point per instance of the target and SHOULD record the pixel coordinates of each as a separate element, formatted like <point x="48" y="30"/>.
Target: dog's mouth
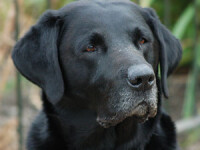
<point x="142" y="112"/>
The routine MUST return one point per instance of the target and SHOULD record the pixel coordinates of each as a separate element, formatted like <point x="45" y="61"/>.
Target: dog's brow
<point x="96" y="38"/>
<point x="140" y="31"/>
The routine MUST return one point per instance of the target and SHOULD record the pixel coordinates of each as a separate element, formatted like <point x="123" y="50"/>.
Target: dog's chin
<point x="141" y="113"/>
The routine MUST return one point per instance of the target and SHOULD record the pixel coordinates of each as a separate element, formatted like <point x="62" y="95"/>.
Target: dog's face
<point x="106" y="56"/>
<point x="100" y="56"/>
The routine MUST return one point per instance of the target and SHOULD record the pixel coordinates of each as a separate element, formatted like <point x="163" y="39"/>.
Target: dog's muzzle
<point x="140" y="112"/>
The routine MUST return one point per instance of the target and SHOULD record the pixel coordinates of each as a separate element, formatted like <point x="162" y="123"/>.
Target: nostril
<point x="139" y="81"/>
<point x="150" y="82"/>
<point x="136" y="81"/>
<point x="151" y="79"/>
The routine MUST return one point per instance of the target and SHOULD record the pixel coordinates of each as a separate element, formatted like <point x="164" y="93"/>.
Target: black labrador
<point x="97" y="65"/>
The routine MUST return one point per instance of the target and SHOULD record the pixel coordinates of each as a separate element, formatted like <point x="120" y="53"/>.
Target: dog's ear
<point x="170" y="50"/>
<point x="36" y="56"/>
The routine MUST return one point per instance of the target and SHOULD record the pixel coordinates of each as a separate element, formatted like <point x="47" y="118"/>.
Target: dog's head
<point x="101" y="56"/>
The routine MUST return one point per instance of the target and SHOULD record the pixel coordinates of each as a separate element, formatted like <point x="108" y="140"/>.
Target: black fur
<point x="87" y="102"/>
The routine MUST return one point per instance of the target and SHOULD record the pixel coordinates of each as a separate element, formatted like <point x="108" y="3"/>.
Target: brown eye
<point x="90" y="48"/>
<point x="142" y="41"/>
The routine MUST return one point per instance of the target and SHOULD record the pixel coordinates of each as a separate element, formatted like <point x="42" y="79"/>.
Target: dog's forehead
<point x="102" y="13"/>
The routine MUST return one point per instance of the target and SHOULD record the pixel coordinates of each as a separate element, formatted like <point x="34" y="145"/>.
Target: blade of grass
<point x="189" y="102"/>
<point x="183" y="22"/>
<point x="18" y="85"/>
<point x="146" y="3"/>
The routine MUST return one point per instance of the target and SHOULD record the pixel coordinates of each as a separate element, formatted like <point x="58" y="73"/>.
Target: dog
<point x="97" y="63"/>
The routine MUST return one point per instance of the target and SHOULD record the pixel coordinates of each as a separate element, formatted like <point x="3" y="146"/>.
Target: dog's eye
<point x="90" y="48"/>
<point x="142" y="41"/>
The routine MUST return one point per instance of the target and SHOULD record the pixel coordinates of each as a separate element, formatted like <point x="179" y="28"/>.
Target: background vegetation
<point x="20" y="100"/>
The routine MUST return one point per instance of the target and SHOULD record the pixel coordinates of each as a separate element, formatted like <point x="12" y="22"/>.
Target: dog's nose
<point x="141" y="77"/>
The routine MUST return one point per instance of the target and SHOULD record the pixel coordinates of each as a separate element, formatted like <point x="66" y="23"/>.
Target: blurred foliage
<point x="35" y="8"/>
<point x="191" y="137"/>
<point x="3" y="12"/>
<point x="190" y="108"/>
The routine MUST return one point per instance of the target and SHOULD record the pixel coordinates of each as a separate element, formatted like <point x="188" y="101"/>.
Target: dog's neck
<point x="79" y="129"/>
